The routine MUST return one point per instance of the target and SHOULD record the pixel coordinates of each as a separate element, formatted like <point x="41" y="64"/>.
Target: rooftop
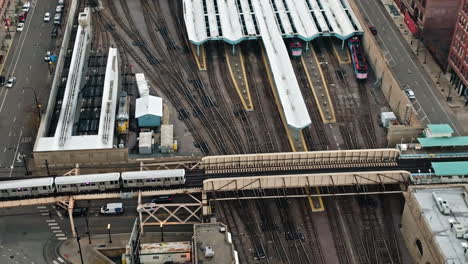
<point x="450" y="168"/>
<point x="210" y="235"/>
<point x="439" y="223"/>
<point x="166" y="247"/>
<point x="443" y="142"/>
<point x="440" y="128"/>
<point x="149" y="105"/>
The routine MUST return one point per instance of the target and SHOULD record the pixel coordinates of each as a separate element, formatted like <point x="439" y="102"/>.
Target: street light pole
<point x="87" y="227"/>
<point x="79" y="246"/>
<point x="162" y="231"/>
<point x="25" y="163"/>
<point x="38" y="107"/>
<point x="109" y="232"/>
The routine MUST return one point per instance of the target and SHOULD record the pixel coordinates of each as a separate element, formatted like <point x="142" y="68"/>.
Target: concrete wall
<point x="381" y="64"/>
<point x="96" y="157"/>
<point x="402" y="134"/>
<point x="413" y="228"/>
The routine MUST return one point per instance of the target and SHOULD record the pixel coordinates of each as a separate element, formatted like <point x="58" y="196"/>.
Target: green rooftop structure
<point x="443" y="142"/>
<point x="440" y="129"/>
<point x="459" y="168"/>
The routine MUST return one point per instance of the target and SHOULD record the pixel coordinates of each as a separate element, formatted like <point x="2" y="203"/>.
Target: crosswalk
<point x="59" y="260"/>
<point x="52" y="223"/>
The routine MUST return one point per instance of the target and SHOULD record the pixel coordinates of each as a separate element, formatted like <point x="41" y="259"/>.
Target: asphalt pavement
<point x="18" y="116"/>
<point x="407" y="69"/>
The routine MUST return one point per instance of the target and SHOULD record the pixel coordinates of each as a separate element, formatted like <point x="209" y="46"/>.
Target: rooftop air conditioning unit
<point x="209" y="252"/>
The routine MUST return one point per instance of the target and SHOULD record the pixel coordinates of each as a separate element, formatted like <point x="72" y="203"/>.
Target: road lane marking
<point x="53" y="224"/>
<point x="50" y="221"/>
<point x="16" y="152"/>
<point x="19" y="54"/>
<point x="55" y="227"/>
<point x="45" y="214"/>
<point x="57" y="231"/>
<point x="414" y="64"/>
<point x="61" y="259"/>
<point x="60" y="235"/>
<point x="62" y="238"/>
<point x="41" y="207"/>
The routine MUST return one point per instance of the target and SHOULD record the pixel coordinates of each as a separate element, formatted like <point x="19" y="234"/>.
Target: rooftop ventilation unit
<point x="209" y="252"/>
<point x="443" y="205"/>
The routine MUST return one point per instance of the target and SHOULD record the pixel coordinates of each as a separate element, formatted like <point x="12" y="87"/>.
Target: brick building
<point x="433" y="22"/>
<point x="458" y="57"/>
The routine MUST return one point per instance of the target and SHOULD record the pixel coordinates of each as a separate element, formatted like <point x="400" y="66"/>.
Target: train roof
<point x="113" y="176"/>
<point x="151" y="174"/>
<point x="39" y="182"/>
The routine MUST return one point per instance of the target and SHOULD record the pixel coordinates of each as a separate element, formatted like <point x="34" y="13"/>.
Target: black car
<point x="78" y="211"/>
<point x="373" y="30"/>
<point x="162" y="199"/>
<point x="54" y="32"/>
<point x="2" y="81"/>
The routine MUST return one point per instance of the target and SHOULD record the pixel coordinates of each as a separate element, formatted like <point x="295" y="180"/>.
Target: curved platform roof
<point x="236" y="20"/>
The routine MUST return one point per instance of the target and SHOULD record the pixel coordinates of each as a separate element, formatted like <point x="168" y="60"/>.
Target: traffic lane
<point x="412" y="72"/>
<point x="24" y="232"/>
<point x="30" y="71"/>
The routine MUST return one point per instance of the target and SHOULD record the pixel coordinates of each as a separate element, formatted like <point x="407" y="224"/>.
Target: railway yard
<point x="206" y="103"/>
<point x="324" y="185"/>
<point x="210" y="112"/>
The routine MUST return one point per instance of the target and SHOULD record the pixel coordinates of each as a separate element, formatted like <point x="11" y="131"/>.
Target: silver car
<point x="410" y="93"/>
<point x="11" y="82"/>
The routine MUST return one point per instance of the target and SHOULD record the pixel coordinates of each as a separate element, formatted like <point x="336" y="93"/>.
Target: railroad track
<point x="313" y="237"/>
<point x="337" y="233"/>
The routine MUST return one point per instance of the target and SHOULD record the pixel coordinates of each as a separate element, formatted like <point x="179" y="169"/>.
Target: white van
<point x="57" y="19"/>
<point x="112" y="208"/>
<point x="60" y="2"/>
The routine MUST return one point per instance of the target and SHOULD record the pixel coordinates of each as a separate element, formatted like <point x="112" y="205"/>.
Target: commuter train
<point x="358" y="58"/>
<point x="92" y="183"/>
<point x="296" y="48"/>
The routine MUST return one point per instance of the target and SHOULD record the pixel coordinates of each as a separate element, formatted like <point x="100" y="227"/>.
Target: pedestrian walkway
<point x="455" y="103"/>
<point x="69" y="251"/>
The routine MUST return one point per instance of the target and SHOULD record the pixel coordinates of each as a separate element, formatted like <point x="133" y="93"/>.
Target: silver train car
<point x="30" y="187"/>
<point x="91" y="183"/>
<point x="153" y="178"/>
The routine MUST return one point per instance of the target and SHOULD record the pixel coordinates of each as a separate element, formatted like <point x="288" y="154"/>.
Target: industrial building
<point x="433" y="22"/>
<point x="458" y="56"/>
<point x="149" y="110"/>
<point x="212" y="244"/>
<point x="434" y="224"/>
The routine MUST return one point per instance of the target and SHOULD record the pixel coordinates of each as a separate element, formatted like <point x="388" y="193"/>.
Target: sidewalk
<point x="440" y="80"/>
<point x="5" y="41"/>
<point x="68" y="250"/>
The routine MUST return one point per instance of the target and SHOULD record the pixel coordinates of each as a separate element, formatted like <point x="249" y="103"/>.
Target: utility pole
<point x="109" y="232"/>
<point x="46" y="163"/>
<point x="38" y="106"/>
<point x="79" y="246"/>
<point x="25" y="163"/>
<point x="87" y="227"/>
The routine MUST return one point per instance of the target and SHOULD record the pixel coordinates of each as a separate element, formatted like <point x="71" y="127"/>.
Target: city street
<point x="408" y="71"/>
<point x="18" y="116"/>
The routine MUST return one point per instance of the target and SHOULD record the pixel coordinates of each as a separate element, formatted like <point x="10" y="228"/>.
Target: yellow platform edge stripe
<point x="239" y="93"/>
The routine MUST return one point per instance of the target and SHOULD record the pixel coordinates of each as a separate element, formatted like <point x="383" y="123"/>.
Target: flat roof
<point x="149" y="105"/>
<point x="209" y="235"/>
<point x="450" y="168"/>
<point x="234" y="21"/>
<point x="443" y="142"/>
<point x="152" y="174"/>
<point x="26" y="183"/>
<point x="112" y="176"/>
<point x="166" y="248"/>
<point x="439" y="224"/>
<point x="440" y="128"/>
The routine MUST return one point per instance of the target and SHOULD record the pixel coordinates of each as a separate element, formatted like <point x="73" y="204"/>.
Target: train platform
<point x="341" y="52"/>
<point x="295" y="137"/>
<point x="236" y="66"/>
<point x="319" y="85"/>
<point x="199" y="54"/>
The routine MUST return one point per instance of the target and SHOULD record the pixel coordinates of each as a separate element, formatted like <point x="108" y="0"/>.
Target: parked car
<point x="58" y="19"/>
<point x="26" y="7"/>
<point x="373" y="30"/>
<point x="47" y="17"/>
<point x="112" y="208"/>
<point x="11" y="82"/>
<point x="22" y="19"/>
<point x="77" y="211"/>
<point x="47" y="56"/>
<point x="410" y="93"/>
<point x="59" y="9"/>
<point x="2" y="81"/>
<point x="20" y="27"/>
<point x="162" y="199"/>
<point x="54" y="32"/>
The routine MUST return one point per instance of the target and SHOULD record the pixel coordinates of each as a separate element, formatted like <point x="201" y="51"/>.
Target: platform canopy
<point x="455" y="168"/>
<point x="236" y="20"/>
<point x="443" y="142"/>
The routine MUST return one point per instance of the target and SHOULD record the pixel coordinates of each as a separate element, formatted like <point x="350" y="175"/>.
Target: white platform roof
<point x="102" y="177"/>
<point x="235" y="20"/>
<point x="105" y="136"/>
<point x="152" y="174"/>
<point x="149" y="105"/>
